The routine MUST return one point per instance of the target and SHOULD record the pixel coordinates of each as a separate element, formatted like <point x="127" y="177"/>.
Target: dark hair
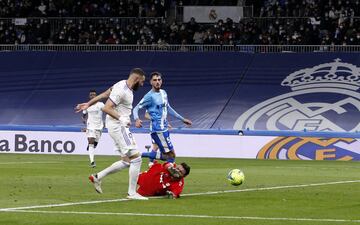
<point x="186" y="167"/>
<point x="92" y="90"/>
<point x="153" y="74"/>
<point x="138" y="71"/>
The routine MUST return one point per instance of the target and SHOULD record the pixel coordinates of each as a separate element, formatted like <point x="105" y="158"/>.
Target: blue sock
<point x="151" y="155"/>
<point x="170" y="160"/>
<point x="151" y="159"/>
<point x="160" y="156"/>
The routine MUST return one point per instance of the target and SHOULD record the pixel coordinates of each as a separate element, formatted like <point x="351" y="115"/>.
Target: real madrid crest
<point x="323" y="98"/>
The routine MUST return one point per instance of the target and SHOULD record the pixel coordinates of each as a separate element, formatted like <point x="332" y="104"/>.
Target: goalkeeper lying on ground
<point x="160" y="180"/>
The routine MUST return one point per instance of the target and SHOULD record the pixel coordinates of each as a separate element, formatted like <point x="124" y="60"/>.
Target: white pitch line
<point x="189" y="216"/>
<point x="10" y="163"/>
<point x="190" y="194"/>
<point x="272" y="188"/>
<point x="64" y="204"/>
<point x="311" y="167"/>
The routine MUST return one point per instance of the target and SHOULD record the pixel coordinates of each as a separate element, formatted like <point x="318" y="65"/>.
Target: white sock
<point x="134" y="171"/>
<point x="91" y="152"/>
<point x="115" y="167"/>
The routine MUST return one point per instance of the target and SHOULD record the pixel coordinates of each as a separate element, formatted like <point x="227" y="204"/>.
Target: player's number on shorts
<point x="169" y="142"/>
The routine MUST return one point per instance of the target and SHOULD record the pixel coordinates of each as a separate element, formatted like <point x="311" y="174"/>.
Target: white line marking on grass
<point x="188" y="216"/>
<point x="190" y="194"/>
<point x="272" y="188"/>
<point x="9" y="163"/>
<point x="311" y="167"/>
<point x="65" y="204"/>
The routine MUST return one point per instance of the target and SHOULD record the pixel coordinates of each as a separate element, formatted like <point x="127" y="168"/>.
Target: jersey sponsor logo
<point x="307" y="148"/>
<point x="323" y="98"/>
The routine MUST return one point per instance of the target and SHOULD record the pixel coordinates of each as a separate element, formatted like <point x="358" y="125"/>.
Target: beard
<point x="136" y="86"/>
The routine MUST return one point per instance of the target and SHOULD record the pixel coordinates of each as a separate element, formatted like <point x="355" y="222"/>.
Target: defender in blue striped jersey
<point x="157" y="105"/>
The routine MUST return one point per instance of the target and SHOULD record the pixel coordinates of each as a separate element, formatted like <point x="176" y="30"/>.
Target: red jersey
<point x="157" y="180"/>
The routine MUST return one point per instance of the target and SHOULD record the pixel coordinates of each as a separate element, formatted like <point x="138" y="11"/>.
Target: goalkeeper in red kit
<point x="158" y="181"/>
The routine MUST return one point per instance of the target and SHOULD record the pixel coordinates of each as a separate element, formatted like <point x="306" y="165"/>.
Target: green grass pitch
<point x="274" y="192"/>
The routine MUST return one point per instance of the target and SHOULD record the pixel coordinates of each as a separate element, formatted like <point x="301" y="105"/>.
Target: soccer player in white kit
<point x="118" y="109"/>
<point x="93" y="117"/>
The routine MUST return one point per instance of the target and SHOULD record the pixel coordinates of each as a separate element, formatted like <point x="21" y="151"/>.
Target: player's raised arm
<point x="86" y="105"/>
<point x="178" y="116"/>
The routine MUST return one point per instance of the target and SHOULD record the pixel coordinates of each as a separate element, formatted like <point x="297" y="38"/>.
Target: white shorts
<point x="124" y="140"/>
<point x="90" y="133"/>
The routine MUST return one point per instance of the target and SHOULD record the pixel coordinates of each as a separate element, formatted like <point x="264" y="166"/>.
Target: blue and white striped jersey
<point x="158" y="107"/>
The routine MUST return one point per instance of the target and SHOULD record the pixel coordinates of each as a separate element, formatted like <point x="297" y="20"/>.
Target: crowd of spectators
<point x="83" y="8"/>
<point x="310" y="8"/>
<point x="314" y="22"/>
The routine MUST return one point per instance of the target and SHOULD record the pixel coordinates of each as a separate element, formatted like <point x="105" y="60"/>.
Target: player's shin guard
<point x="134" y="171"/>
<point x="115" y="167"/>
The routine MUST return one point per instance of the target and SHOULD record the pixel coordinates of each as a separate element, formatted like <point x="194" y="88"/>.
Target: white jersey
<point x="95" y="118"/>
<point x="122" y="96"/>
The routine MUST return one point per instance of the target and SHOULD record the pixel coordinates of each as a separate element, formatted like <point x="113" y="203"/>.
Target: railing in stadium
<point x="57" y="22"/>
<point x="187" y="48"/>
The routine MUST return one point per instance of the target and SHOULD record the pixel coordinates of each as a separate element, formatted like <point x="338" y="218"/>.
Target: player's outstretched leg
<point x="113" y="168"/>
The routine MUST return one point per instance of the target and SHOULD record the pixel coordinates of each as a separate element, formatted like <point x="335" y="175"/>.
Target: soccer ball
<point x="236" y="177"/>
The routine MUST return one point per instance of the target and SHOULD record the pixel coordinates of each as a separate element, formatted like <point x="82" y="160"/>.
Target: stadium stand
<point x="274" y="22"/>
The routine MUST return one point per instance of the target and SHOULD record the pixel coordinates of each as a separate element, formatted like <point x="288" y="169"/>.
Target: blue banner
<point x="220" y="90"/>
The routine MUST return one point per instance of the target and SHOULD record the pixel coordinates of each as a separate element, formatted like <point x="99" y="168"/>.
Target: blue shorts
<point x="162" y="139"/>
